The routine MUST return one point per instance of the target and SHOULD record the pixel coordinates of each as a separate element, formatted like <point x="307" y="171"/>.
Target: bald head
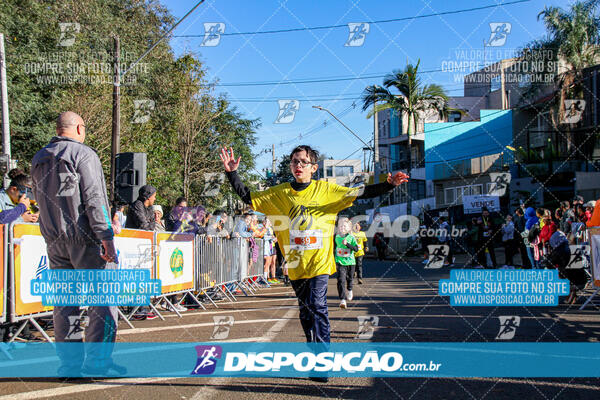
<point x="71" y="125"/>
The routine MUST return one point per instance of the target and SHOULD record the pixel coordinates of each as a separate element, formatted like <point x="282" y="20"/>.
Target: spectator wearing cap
<point x="577" y="200"/>
<point x="141" y="214"/>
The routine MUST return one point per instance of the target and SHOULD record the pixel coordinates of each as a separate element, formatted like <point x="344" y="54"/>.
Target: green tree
<point x="410" y="97"/>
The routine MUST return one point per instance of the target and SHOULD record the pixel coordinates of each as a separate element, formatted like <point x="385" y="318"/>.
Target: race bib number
<point x="343" y="252"/>
<point x="306" y="240"/>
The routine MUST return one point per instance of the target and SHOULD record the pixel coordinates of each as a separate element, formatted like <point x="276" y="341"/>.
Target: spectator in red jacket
<point x="549" y="227"/>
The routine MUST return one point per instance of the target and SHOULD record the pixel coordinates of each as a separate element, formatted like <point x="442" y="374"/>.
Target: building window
<point x="344" y="170"/>
<point x="495" y="83"/>
<point x="476" y="189"/>
<point x="328" y="172"/>
<point x="454" y="116"/>
<point x="449" y="198"/>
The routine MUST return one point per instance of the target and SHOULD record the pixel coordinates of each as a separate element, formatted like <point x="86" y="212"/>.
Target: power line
<point x="315" y="80"/>
<point x="384" y="21"/>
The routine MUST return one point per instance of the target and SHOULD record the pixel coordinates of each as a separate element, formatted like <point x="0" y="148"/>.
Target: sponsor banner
<point x="474" y="204"/>
<point x="175" y="262"/>
<point x="476" y="287"/>
<point x="350" y="359"/>
<point x="30" y="261"/>
<point x="135" y="249"/>
<point x="595" y="253"/>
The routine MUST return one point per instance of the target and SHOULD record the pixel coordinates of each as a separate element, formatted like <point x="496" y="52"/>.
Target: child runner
<point x="344" y="247"/>
<point x="305" y="211"/>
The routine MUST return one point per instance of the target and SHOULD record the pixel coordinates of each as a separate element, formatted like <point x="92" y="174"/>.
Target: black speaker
<point x="130" y="176"/>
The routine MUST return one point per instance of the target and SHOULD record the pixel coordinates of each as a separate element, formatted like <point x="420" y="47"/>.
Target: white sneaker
<point x="343" y="304"/>
<point x="349" y="295"/>
<point x="179" y="308"/>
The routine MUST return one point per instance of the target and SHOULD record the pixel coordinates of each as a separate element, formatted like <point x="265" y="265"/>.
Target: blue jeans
<point x="312" y="299"/>
<point x="534" y="263"/>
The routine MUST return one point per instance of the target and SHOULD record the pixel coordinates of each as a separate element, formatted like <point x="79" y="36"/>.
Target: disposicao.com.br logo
<point x="288" y="363"/>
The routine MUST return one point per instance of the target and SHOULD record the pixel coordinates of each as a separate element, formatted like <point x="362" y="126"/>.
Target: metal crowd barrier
<point x="217" y="265"/>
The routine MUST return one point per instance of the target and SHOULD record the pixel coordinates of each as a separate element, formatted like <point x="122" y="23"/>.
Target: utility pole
<point x="116" y="114"/>
<point x="375" y="142"/>
<point x="4" y="95"/>
<point x="274" y="160"/>
<point x="116" y="123"/>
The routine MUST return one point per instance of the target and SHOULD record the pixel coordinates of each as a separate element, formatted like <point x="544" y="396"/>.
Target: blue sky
<point x="438" y="41"/>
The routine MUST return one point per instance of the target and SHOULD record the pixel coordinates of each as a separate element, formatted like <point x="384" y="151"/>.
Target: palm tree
<point x="413" y="98"/>
<point x="574" y="35"/>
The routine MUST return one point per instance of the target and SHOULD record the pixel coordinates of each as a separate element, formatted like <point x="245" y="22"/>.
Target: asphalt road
<point x="404" y="297"/>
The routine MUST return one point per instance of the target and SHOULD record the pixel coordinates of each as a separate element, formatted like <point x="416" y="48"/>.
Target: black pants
<point x="312" y="300"/>
<point x="509" y="251"/>
<point x="345" y="278"/>
<point x="381" y="252"/>
<point x="523" y="251"/>
<point x="481" y="254"/>
<point x="359" y="267"/>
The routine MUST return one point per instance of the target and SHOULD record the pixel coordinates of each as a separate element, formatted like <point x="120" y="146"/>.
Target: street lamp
<point x="344" y="125"/>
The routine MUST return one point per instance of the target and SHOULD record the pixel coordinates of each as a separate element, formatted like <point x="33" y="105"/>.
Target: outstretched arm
<point x="379" y="189"/>
<point x="231" y="165"/>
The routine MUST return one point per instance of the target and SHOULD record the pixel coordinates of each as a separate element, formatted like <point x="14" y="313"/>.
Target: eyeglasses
<point x="301" y="163"/>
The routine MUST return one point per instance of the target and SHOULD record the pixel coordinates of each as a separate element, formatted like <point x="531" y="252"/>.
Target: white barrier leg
<point x="18" y="332"/>
<point x="247" y="286"/>
<point x="228" y="293"/>
<point x="208" y="297"/>
<point x="39" y="328"/>
<point x="159" y="314"/>
<point x="193" y="298"/>
<point x="122" y="315"/>
<point x="589" y="299"/>
<point x="171" y="305"/>
<point x="242" y="286"/>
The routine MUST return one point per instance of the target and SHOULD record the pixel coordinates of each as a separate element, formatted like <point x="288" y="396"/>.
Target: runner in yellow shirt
<point x="362" y="240"/>
<point x="303" y="214"/>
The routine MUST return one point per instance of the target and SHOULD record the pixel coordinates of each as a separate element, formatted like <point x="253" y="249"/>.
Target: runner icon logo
<point x="357" y="33"/>
<point x="142" y="110"/>
<point x="500" y="182"/>
<point x="76" y="327"/>
<point x="212" y="183"/>
<point x="366" y="326"/>
<point x="437" y="255"/>
<point x="67" y="33"/>
<point x="573" y="111"/>
<point x="68" y="183"/>
<point x="222" y="327"/>
<point x="499" y="33"/>
<point x="212" y="33"/>
<point x="578" y="256"/>
<point x="508" y="327"/>
<point x="207" y="359"/>
<point x="287" y="111"/>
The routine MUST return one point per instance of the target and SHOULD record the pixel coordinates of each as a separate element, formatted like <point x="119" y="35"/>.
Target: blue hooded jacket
<point x="531" y="218"/>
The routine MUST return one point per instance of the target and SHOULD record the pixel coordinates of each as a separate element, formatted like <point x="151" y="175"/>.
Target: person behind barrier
<point x="306" y="241"/>
<point x="15" y="201"/>
<point x="141" y="215"/>
<point x="68" y="183"/>
<point x="159" y="224"/>
<point x="175" y="214"/>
